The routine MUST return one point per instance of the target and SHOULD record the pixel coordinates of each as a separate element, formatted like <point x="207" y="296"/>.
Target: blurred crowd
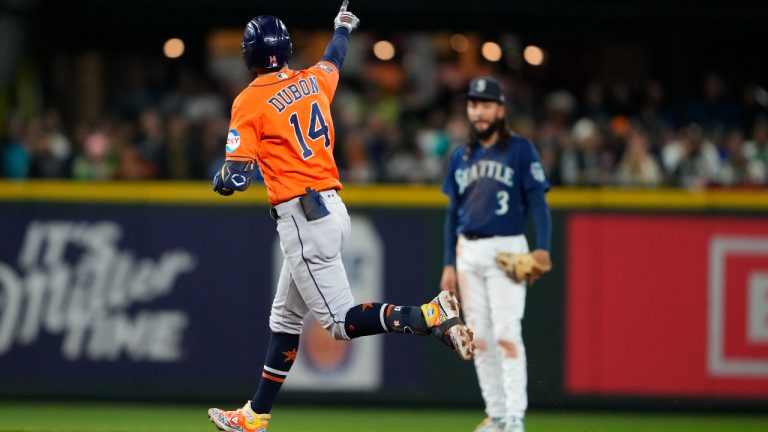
<point x="392" y="126"/>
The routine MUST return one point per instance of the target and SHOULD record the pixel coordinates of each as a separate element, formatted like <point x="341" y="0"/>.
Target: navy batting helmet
<point x="266" y="43"/>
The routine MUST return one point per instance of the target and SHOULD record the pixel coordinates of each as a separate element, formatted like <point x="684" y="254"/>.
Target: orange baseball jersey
<point x="283" y="122"/>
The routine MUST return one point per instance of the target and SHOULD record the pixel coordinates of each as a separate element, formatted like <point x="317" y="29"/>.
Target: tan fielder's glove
<point x="522" y="267"/>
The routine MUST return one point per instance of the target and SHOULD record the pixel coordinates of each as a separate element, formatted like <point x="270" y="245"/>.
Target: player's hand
<point x="218" y="185"/>
<point x="346" y="19"/>
<point x="544" y="264"/>
<point x="448" y="281"/>
<point x="233" y="176"/>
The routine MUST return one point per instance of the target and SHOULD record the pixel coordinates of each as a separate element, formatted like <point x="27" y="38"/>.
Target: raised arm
<point x="344" y="24"/>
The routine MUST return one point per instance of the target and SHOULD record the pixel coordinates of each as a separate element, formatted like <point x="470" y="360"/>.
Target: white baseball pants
<point x="493" y="306"/>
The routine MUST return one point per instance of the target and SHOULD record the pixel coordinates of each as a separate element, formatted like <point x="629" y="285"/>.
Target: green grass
<point x="59" y="417"/>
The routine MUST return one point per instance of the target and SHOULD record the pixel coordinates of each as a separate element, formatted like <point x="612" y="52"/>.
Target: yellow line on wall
<point x="664" y="199"/>
<point x="199" y="193"/>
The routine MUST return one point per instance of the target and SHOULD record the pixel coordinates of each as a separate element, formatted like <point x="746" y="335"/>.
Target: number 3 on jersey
<point x="503" y="197"/>
<point x="317" y="128"/>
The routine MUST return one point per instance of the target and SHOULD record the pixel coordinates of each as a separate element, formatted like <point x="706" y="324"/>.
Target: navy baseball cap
<point x="486" y="88"/>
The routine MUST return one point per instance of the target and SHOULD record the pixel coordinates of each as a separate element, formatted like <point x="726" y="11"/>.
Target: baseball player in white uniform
<point x="494" y="183"/>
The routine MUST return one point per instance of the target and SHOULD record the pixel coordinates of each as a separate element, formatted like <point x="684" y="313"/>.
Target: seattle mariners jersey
<point x="489" y="187"/>
<point x="283" y="122"/>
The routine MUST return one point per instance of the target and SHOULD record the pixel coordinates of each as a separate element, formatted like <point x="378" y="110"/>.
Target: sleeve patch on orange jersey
<point x="326" y="67"/>
<point x="233" y="140"/>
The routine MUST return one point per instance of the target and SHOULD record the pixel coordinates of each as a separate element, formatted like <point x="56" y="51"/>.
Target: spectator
<point x="96" y="161"/>
<point x="410" y="165"/>
<point x="737" y="168"/>
<point x="195" y="99"/>
<point x="61" y="146"/>
<point x="754" y="100"/>
<point x="594" y="103"/>
<point x="560" y="107"/>
<point x="656" y="116"/>
<point x="378" y="140"/>
<point x="693" y="161"/>
<point x="637" y="167"/>
<point x="358" y="166"/>
<point x="432" y="139"/>
<point x="15" y="152"/>
<point x="178" y="155"/>
<point x="49" y="151"/>
<point x="151" y="134"/>
<point x="581" y="164"/>
<point x="212" y="137"/>
<point x="757" y="147"/>
<point x="132" y="165"/>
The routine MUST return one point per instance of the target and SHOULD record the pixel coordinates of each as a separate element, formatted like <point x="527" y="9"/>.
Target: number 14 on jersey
<point x="316" y="129"/>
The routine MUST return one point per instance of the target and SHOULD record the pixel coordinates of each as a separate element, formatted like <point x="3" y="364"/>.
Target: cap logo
<point x="480" y="86"/>
<point x="273" y="60"/>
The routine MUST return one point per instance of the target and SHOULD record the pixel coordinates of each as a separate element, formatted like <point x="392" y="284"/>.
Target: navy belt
<point x="476" y="236"/>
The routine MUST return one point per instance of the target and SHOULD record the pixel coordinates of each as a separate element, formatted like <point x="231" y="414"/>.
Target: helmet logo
<point x="480" y="87"/>
<point x="266" y="43"/>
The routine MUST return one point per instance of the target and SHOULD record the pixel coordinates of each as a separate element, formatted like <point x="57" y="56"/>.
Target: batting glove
<point x="218" y="186"/>
<point x="233" y="176"/>
<point x="346" y="19"/>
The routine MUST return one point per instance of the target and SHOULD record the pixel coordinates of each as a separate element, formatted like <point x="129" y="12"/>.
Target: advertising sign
<point x="665" y="305"/>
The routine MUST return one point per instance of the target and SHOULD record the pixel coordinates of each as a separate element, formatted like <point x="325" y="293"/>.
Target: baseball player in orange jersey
<point x="282" y="122"/>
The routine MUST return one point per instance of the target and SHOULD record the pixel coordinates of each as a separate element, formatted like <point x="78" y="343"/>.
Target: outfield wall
<point x="162" y="291"/>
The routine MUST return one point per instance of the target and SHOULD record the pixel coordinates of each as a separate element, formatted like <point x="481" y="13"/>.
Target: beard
<point x="485" y="134"/>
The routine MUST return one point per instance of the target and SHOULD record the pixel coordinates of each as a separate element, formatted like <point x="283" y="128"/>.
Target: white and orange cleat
<point x="495" y="424"/>
<point x="442" y="315"/>
<point x="240" y="420"/>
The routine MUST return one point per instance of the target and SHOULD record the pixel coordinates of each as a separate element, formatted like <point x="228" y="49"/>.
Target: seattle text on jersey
<point x="483" y="169"/>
